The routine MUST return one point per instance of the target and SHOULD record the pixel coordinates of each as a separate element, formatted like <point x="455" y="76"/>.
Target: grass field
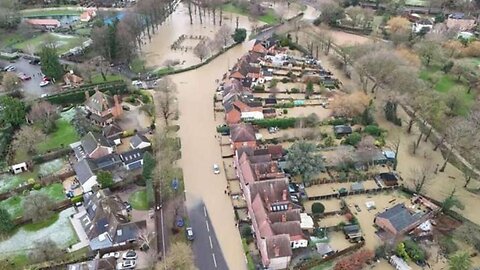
<point x="63" y="42"/>
<point x="32" y="227"/>
<point x="269" y="17"/>
<point x="49" y="12"/>
<point x="8" y="181"/>
<point x="64" y="135"/>
<point x="446" y="83"/>
<point x="138" y="200"/>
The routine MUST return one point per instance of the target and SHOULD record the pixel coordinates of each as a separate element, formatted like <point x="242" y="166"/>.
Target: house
<point x="105" y="221"/>
<point x="242" y="107"/>
<point x="342" y="130"/>
<point x="85" y="173"/>
<point x="270" y="102"/>
<point x="88" y="15"/>
<point x="397" y="220"/>
<point x="92" y="145"/>
<point x="242" y="135"/>
<point x="352" y="232"/>
<point x="95" y="264"/>
<point x="44" y="23"/>
<point x="72" y="80"/>
<point x="422" y="25"/>
<point x="102" y="108"/>
<point x="294" y="230"/>
<point x="258" y="47"/>
<point x="113" y="133"/>
<point x="139" y="141"/>
<point x="324" y="249"/>
<point x="269" y="113"/>
<point x="388" y="179"/>
<point x="132" y="159"/>
<point x="276" y="252"/>
<point x="87" y="168"/>
<point x="460" y="22"/>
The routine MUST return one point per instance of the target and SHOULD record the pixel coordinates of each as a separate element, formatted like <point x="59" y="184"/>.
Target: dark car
<point x="125" y="108"/>
<point x="34" y="61"/>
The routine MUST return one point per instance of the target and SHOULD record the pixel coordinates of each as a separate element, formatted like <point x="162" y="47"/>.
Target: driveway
<point x="31" y="88"/>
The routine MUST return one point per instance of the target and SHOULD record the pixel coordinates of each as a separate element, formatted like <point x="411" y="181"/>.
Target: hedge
<point x="78" y="95"/>
<point x="282" y="123"/>
<point x="6" y="136"/>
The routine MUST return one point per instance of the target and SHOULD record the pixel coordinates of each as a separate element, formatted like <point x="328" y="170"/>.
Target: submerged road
<point x="200" y="150"/>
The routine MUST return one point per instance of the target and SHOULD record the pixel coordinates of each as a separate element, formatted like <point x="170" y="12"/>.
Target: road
<point x="206" y="248"/>
<point x="200" y="150"/>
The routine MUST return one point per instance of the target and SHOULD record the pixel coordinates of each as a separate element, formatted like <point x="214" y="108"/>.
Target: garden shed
<point x="357" y="187"/>
<point x="19" y="168"/>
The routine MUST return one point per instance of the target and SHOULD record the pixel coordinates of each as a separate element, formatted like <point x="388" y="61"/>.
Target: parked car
<point x="10" y="68"/>
<point x="189" y="232"/>
<point x="180" y="222"/>
<point x="127" y="264"/>
<point x="216" y="169"/>
<point x="130" y="255"/>
<point x="44" y="95"/>
<point x="272" y="130"/>
<point x="294" y="198"/>
<point x="44" y="83"/>
<point x="115" y="255"/>
<point x="34" y="61"/>
<point x="125" y="108"/>
<point x="128" y="206"/>
<point x="358" y="208"/>
<point x="23" y="76"/>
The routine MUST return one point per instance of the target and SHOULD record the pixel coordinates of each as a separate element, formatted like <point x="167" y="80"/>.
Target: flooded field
<point x="158" y="52"/>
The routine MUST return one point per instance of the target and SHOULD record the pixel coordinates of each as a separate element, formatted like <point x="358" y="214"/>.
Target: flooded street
<point x="200" y="150"/>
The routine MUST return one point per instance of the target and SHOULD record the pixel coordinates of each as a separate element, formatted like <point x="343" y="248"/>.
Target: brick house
<point x="242" y="135"/>
<point x="398" y="220"/>
<point x="102" y="108"/>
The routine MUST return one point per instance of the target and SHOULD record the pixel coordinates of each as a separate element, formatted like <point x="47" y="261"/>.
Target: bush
<point x="284" y="105"/>
<point x="246" y="232"/>
<point x="285" y="80"/>
<point x="329" y="142"/>
<point x="259" y="88"/>
<point x="282" y="123"/>
<point x="373" y="130"/>
<point x="128" y="133"/>
<point x="447" y="244"/>
<point x="77" y="199"/>
<point x="414" y="251"/>
<point x="318" y="208"/>
<point x="37" y="186"/>
<point x="353" y="139"/>
<point x="285" y="111"/>
<point x="295" y="90"/>
<point x="31" y="181"/>
<point x="223" y="129"/>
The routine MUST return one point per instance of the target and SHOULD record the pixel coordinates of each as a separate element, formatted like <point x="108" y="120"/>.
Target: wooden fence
<point x="349" y="193"/>
<point x="314" y="262"/>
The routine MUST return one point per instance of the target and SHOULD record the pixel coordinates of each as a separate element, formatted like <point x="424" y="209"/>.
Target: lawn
<point x="446" y="83"/>
<point x="54" y="191"/>
<point x="47" y="12"/>
<point x="9" y="181"/>
<point x="250" y="263"/>
<point x="97" y="78"/>
<point x="10" y="38"/>
<point x="164" y="70"/>
<point x="33" y="227"/>
<point x="269" y="17"/>
<point x="64" y="135"/>
<point x="13" y="205"/>
<point x="63" y="42"/>
<point x="138" y="65"/>
<point x="138" y="200"/>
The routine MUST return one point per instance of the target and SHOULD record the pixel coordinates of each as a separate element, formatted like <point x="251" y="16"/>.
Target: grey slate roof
<point x="84" y="170"/>
<point x="108" y="162"/>
<point x="349" y="229"/>
<point x="399" y="216"/>
<point x="91" y="141"/>
<point x="100" y="101"/>
<point x="112" y="130"/>
<point x="132" y="156"/>
<point x="138" y="139"/>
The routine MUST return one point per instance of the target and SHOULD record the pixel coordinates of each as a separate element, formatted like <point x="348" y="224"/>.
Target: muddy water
<point x="200" y="150"/>
<point x="158" y="51"/>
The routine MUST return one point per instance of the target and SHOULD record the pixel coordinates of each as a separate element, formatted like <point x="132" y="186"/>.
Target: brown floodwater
<point x="158" y="51"/>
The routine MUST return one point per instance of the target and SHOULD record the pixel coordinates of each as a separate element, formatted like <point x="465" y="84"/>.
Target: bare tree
<point x="27" y="137"/>
<point x="343" y="157"/>
<point x="166" y="96"/>
<point x="43" y="112"/>
<point x="366" y="149"/>
<point x="11" y="82"/>
<point x="180" y="256"/>
<point x="454" y="134"/>
<point x="350" y="105"/>
<point x="201" y="50"/>
<point x="37" y="206"/>
<point x="225" y="34"/>
<point x="44" y="250"/>
<point x="421" y="176"/>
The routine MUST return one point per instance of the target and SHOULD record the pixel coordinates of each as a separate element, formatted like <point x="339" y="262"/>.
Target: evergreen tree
<point x="51" y="66"/>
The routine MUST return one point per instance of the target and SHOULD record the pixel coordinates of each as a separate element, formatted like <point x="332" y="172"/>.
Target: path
<point x="200" y="150"/>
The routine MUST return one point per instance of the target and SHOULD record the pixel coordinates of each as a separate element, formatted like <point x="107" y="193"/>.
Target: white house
<point x="251" y="116"/>
<point x="139" y="142"/>
<point x="85" y="175"/>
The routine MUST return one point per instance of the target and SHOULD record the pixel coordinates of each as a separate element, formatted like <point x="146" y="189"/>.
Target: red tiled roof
<point x="242" y="133"/>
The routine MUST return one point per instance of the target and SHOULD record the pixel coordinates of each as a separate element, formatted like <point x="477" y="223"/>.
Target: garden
<point x="62" y="42"/>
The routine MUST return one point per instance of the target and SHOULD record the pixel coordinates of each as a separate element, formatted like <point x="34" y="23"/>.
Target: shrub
<point x="128" y="133"/>
<point x="223" y="129"/>
<point x="246" y="232"/>
<point x="37" y="186"/>
<point x="31" y="181"/>
<point x="414" y="251"/>
<point x="285" y="80"/>
<point x="318" y="208"/>
<point x="285" y="105"/>
<point x="295" y="90"/>
<point x="353" y="139"/>
<point x="373" y="130"/>
<point x="285" y="111"/>
<point x="77" y="199"/>
<point x="447" y="244"/>
<point x="329" y="142"/>
<point x="259" y="88"/>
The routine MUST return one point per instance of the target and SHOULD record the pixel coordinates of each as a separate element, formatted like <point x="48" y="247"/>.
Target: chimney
<point x="284" y="195"/>
<point x="284" y="217"/>
<point x="118" y="106"/>
<point x="87" y="95"/>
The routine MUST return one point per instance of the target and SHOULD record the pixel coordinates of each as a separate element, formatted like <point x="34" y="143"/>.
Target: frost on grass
<point x="61" y="232"/>
<point x="51" y="167"/>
